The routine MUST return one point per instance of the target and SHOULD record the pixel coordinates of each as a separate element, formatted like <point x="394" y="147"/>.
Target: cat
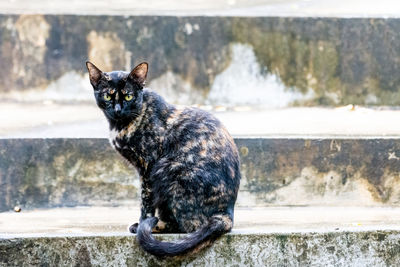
<point x="187" y="161"/>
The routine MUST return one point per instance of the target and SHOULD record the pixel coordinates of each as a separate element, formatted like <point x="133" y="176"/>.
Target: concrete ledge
<point x="272" y="236"/>
<point x="100" y="220"/>
<point x="365" y="248"/>
<point x="37" y="173"/>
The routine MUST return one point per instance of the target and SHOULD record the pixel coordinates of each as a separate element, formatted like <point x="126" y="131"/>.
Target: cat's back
<point x="192" y="135"/>
<point x="182" y="121"/>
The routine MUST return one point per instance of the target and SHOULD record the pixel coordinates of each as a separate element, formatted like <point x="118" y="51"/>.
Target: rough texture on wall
<point x="373" y="248"/>
<point x="63" y="172"/>
<point x="331" y="61"/>
<point x="69" y="172"/>
<point x="341" y="60"/>
<point x="327" y="171"/>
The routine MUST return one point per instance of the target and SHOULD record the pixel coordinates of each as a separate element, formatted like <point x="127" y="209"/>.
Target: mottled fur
<point x="188" y="162"/>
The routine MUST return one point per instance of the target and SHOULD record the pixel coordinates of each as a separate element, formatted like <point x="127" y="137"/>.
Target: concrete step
<point x="245" y="60"/>
<point x="85" y="220"/>
<point x="284" y="236"/>
<point x="242" y="8"/>
<point x="85" y="120"/>
<point x="39" y="173"/>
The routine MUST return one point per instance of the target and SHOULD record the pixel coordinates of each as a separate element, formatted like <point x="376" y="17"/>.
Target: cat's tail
<point x="216" y="226"/>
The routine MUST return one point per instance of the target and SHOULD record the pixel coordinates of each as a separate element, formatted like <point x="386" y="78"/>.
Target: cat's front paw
<point x="133" y="228"/>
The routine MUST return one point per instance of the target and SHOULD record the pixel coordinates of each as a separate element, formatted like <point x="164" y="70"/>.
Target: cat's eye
<point x="128" y="97"/>
<point x="107" y="97"/>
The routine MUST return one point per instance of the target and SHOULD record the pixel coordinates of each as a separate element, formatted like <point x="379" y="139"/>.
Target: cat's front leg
<point x="146" y="210"/>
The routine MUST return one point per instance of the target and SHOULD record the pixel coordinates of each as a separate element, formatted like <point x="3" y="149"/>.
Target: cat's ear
<point x="139" y="73"/>
<point x="94" y="73"/>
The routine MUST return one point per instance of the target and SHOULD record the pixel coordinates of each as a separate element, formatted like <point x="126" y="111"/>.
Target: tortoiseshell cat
<point x="188" y="163"/>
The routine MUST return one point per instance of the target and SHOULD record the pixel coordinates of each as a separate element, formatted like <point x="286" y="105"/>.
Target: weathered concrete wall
<point x="70" y="172"/>
<point x="321" y="171"/>
<point x="373" y="248"/>
<point x="63" y="172"/>
<point x="218" y="60"/>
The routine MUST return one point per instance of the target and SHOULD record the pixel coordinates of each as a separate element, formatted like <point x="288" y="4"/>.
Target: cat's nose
<point x="117" y="108"/>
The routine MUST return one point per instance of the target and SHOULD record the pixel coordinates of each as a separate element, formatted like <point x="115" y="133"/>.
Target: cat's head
<point x="118" y="93"/>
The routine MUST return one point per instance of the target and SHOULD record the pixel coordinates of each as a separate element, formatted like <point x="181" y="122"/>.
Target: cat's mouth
<point x="118" y="117"/>
<point x="115" y="116"/>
